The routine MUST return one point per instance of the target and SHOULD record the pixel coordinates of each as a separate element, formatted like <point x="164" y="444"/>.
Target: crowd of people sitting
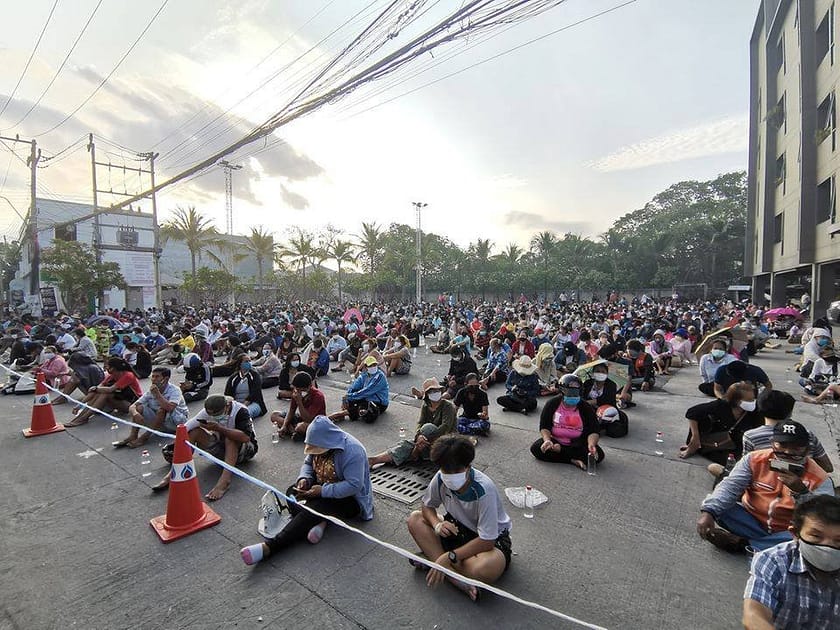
<point x="584" y="364"/>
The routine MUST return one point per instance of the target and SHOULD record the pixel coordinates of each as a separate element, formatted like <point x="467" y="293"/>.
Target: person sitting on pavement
<point x="162" y="408"/>
<point x="292" y="367"/>
<point x="398" y="360"/>
<point x="475" y="418"/>
<point x="367" y="397"/>
<point x="681" y="355"/>
<point x="268" y="366"/>
<point x="224" y="429"/>
<point x="118" y="390"/>
<point x="231" y="364"/>
<point x="569" y="428"/>
<point x="334" y="480"/>
<point x="640" y="364"/>
<point x="245" y="387"/>
<point x="823" y="374"/>
<point x="754" y="504"/>
<point x="438" y="417"/>
<point x="776" y="406"/>
<point x="53" y="367"/>
<point x="197" y="378"/>
<point x="715" y="428"/>
<point x="522" y="347"/>
<point x="460" y="364"/>
<point x="84" y="344"/>
<point x="350" y="354"/>
<point x="306" y="404"/>
<point x="473" y="537"/>
<point x="335" y="345"/>
<point x="496" y="370"/>
<point x="319" y="358"/>
<point x="660" y="352"/>
<point x="569" y="358"/>
<point x="710" y="362"/>
<point x="522" y="386"/>
<point x="820" y="338"/>
<point x="546" y="370"/>
<point x="84" y="374"/>
<point x="797" y="584"/>
<point x="740" y="371"/>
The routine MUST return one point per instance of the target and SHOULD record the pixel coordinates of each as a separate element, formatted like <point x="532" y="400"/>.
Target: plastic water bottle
<point x="529" y="502"/>
<point x="730" y="463"/>
<point x="275" y="437"/>
<point x="591" y="464"/>
<point x="660" y="441"/>
<point x="403" y="433"/>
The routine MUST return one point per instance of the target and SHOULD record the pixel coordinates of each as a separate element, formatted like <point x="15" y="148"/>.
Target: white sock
<point x="316" y="533"/>
<point x="252" y="554"/>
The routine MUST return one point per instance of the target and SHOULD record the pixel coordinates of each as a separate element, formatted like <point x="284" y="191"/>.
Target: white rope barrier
<point x="336" y="521"/>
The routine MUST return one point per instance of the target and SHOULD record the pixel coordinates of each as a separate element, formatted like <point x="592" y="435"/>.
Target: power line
<point x="31" y="56"/>
<point x="60" y="68"/>
<point x="110" y="74"/>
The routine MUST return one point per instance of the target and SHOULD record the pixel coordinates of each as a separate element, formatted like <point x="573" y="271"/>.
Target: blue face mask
<point x="823" y="342"/>
<point x="571" y="401"/>
<point x="246" y="365"/>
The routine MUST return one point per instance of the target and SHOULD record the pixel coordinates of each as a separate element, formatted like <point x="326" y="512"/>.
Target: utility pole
<point x="418" y="206"/>
<point x="151" y="157"/>
<point x="97" y="231"/>
<point x="229" y="168"/>
<point x="35" y="272"/>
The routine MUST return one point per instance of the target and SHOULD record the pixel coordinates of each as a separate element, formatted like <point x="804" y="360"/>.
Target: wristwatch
<point x="453" y="557"/>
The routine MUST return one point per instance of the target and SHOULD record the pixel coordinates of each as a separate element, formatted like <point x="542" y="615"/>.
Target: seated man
<point x="437" y="418"/>
<point x="736" y="371"/>
<point x="769" y="483"/>
<point x="335" y="345"/>
<point x="197" y="378"/>
<point x="307" y="402"/>
<point x="334" y="480"/>
<point x="225" y="430"/>
<point x="473" y="537"/>
<point x="161" y="408"/>
<point x="367" y="396"/>
<point x="797" y="584"/>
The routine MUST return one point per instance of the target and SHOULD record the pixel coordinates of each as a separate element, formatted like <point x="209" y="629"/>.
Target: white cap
<point x="274" y="517"/>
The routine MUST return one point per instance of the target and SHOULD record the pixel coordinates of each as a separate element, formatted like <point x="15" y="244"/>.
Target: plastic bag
<point x="517" y="496"/>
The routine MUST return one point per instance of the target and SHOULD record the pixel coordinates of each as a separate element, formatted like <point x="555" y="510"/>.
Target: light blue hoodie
<point x="350" y="460"/>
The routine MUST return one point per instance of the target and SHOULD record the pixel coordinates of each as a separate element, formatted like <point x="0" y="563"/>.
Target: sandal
<point x="121" y="443"/>
<point x="76" y="422"/>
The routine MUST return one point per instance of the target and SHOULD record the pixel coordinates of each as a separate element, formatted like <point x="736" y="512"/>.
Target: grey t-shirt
<point x="762" y="437"/>
<point x="172" y="394"/>
<point x="479" y="507"/>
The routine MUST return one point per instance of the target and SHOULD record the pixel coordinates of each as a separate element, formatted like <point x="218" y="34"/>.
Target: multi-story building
<point x="793" y="235"/>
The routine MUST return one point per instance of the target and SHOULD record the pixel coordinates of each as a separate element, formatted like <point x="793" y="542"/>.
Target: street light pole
<point x="418" y="206"/>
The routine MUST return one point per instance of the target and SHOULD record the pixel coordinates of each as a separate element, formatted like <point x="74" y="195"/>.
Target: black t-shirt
<point x="472" y="401"/>
<point x="752" y="374"/>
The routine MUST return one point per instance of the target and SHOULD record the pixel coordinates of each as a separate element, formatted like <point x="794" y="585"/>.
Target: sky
<point x="567" y="133"/>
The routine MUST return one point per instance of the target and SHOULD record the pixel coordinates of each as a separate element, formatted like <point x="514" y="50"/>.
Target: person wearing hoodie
<point x="334" y="480"/>
<point x="367" y="396"/>
<point x="245" y="386"/>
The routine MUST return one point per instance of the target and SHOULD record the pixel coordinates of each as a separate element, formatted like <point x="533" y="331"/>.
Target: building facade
<point x="792" y="243"/>
<point x="127" y="238"/>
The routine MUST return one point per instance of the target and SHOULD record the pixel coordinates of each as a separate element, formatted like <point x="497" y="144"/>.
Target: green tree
<point x="260" y="244"/>
<point x="213" y="285"/>
<point x="193" y="229"/>
<point x="544" y="245"/>
<point x="300" y="251"/>
<point x="73" y="268"/>
<point x="342" y="252"/>
<point x="9" y="262"/>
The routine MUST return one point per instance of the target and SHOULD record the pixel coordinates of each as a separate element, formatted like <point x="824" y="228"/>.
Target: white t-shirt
<point x="479" y="507"/>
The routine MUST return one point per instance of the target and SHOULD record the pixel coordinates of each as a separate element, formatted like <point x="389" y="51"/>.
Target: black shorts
<point x="126" y="393"/>
<point x="465" y="535"/>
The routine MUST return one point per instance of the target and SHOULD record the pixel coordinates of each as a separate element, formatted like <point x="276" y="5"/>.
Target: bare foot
<point x="468" y="589"/>
<point x="218" y="492"/>
<point x="579" y="464"/>
<point x="810" y="399"/>
<point x="688" y="450"/>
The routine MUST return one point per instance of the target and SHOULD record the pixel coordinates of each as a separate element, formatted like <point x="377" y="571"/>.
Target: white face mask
<point x="365" y="347"/>
<point x="47" y="356"/>
<point x="599" y="376"/>
<point x="294" y="364"/>
<point x="372" y="370"/>
<point x="454" y="481"/>
<point x="822" y="557"/>
<point x="397" y="345"/>
<point x="747" y="405"/>
<point x="434" y="396"/>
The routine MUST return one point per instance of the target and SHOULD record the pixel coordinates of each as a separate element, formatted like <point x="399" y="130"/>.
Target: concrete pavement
<point x="618" y="549"/>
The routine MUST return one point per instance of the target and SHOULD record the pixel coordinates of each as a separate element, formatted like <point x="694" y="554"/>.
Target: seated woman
<point x="143" y="363"/>
<point x="118" y="390"/>
<point x="569" y="358"/>
<point x="460" y="364"/>
<point x="319" y="358"/>
<point x="398" y="360"/>
<point x="640" y="364"/>
<point x="292" y="367"/>
<point x="711" y="361"/>
<point x="245" y="387"/>
<point x="569" y="429"/>
<point x="268" y="366"/>
<point x="660" y="352"/>
<point x="496" y="370"/>
<point x="823" y="373"/>
<point x="286" y="347"/>
<point x="523" y="387"/>
<point x="475" y="419"/>
<point x="54" y="368"/>
<point x="368" y="349"/>
<point x="715" y="428"/>
<point x="546" y="370"/>
<point x="84" y="374"/>
<point x="681" y="348"/>
<point x="442" y="345"/>
<point x="237" y="350"/>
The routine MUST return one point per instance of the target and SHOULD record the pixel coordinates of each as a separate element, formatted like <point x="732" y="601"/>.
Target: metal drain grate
<point x="406" y="484"/>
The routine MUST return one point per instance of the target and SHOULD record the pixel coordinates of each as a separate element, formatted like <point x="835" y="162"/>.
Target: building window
<point x="66" y="232"/>
<point x="780" y="170"/>
<point x="825" y="201"/>
<point x="780" y="55"/>
<point x="825" y="37"/>
<point x="779" y="229"/>
<point x="827" y="120"/>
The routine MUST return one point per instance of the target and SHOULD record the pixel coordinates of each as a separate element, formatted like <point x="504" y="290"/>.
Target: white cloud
<point x="725" y="135"/>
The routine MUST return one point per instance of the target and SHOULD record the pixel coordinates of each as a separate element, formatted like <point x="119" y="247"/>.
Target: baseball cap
<point x="370" y="361"/>
<point x="791" y="432"/>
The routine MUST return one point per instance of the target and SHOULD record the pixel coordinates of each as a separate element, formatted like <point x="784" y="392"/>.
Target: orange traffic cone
<point x="186" y="513"/>
<point x="43" y="419"/>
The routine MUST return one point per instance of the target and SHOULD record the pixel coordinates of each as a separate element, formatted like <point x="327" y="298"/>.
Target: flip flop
<point x="75" y="422"/>
<point x="121" y="443"/>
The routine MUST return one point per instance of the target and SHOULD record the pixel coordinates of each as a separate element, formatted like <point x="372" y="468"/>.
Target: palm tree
<point x="261" y="244"/>
<point x="227" y="258"/>
<point x="341" y="252"/>
<point x="299" y="251"/>
<point x="370" y="244"/>
<point x="544" y="244"/>
<point x="195" y="230"/>
<point x="480" y="253"/>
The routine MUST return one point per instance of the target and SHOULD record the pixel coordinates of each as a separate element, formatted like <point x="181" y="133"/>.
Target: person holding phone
<point x="754" y="505"/>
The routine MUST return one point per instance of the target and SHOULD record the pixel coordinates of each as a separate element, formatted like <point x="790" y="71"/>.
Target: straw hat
<point x="524" y="366"/>
<point x="429" y="384"/>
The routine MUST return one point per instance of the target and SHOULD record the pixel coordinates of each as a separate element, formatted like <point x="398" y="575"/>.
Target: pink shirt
<point x="567" y="424"/>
